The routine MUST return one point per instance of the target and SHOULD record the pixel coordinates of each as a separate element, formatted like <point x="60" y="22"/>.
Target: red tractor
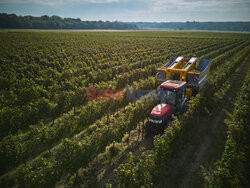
<point x="172" y="100"/>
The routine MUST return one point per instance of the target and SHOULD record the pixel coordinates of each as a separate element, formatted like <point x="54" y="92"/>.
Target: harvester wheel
<point x="184" y="108"/>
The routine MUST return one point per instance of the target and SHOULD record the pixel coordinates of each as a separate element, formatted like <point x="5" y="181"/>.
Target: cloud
<point x="161" y="5"/>
<point x="56" y="2"/>
<point x="144" y="10"/>
<point x="157" y="5"/>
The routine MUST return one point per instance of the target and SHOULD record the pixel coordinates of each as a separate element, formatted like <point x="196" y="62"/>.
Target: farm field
<point x="52" y="135"/>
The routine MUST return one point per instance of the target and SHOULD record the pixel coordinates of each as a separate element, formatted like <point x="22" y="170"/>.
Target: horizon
<point x="134" y="11"/>
<point x="128" y="21"/>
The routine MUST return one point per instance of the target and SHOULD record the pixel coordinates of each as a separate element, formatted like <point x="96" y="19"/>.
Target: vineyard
<point x="51" y="135"/>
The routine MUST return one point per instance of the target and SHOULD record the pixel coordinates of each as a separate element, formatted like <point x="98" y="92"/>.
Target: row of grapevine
<point x="80" y="149"/>
<point x="16" y="149"/>
<point x="207" y="50"/>
<point x="233" y="168"/>
<point x="228" y="54"/>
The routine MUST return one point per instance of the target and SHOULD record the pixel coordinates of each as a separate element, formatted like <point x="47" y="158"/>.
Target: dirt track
<point x="146" y="142"/>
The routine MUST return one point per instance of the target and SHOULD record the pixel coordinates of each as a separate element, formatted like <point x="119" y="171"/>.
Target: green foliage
<point x="45" y="75"/>
<point x="136" y="174"/>
<point x="232" y="170"/>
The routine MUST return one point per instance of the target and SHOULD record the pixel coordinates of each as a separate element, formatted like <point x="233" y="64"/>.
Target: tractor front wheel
<point x="147" y="129"/>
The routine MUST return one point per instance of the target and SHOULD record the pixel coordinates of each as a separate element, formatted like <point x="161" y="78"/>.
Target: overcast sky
<point x="133" y="10"/>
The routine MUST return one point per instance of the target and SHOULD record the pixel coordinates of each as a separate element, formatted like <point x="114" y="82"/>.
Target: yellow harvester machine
<point x="192" y="71"/>
<point x="180" y="79"/>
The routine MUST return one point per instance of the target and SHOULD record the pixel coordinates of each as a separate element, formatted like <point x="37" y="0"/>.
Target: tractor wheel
<point x="147" y="129"/>
<point x="165" y="125"/>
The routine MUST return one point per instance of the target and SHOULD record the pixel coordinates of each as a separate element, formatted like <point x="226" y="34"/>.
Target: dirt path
<point x="147" y="143"/>
<point x="226" y="108"/>
<point x="106" y="174"/>
<point x="201" y="152"/>
<point x="110" y="176"/>
<point x="204" y="142"/>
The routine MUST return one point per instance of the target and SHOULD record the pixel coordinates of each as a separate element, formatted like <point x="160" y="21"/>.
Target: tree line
<point x="219" y="26"/>
<point x="12" y="21"/>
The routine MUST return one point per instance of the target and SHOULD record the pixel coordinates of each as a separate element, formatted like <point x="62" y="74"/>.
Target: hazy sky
<point x="134" y="10"/>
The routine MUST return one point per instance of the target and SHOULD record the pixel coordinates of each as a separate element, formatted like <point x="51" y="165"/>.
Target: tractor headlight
<point x="155" y="121"/>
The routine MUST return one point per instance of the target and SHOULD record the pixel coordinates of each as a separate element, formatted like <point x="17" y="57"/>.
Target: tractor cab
<point x="173" y="93"/>
<point x="172" y="100"/>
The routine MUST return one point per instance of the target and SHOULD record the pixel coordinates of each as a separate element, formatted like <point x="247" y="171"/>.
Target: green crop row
<point x="17" y="149"/>
<point x="228" y="54"/>
<point x="228" y="45"/>
<point x="232" y="170"/>
<point x="80" y="149"/>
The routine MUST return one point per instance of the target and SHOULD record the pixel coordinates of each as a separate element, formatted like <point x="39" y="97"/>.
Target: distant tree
<point x="13" y="21"/>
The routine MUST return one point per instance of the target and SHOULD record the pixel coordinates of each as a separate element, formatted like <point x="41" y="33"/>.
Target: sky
<point x="133" y="10"/>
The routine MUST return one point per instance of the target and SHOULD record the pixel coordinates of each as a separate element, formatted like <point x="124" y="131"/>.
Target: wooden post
<point x="139" y="132"/>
